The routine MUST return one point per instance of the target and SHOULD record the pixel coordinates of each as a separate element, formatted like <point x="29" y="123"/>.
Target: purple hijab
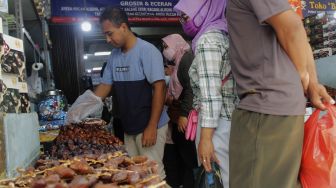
<point x="212" y="13"/>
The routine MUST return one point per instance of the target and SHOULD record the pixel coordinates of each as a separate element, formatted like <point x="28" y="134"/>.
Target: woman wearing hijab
<point x="180" y="98"/>
<point x="210" y="74"/>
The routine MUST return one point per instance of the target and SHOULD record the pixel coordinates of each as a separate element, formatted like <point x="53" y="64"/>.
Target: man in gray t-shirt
<point x="273" y="66"/>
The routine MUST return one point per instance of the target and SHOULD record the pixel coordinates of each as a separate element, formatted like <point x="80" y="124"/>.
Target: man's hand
<point x="182" y="123"/>
<point x="149" y="136"/>
<point x="318" y="95"/>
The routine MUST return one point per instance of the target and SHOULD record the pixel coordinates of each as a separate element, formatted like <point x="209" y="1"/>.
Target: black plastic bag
<point x="205" y="179"/>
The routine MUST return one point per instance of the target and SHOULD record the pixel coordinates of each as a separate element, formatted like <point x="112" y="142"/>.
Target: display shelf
<point x="326" y="71"/>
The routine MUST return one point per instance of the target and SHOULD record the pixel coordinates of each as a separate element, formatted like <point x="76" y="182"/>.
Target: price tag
<point x="14" y="81"/>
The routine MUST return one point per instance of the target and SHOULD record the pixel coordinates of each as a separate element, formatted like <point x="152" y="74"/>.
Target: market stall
<point x="36" y="139"/>
<point x="87" y="155"/>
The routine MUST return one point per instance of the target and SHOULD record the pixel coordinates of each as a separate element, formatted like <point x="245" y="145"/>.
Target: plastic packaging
<point x="86" y="105"/>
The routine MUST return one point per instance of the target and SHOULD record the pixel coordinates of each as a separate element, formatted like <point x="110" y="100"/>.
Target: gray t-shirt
<point x="267" y="81"/>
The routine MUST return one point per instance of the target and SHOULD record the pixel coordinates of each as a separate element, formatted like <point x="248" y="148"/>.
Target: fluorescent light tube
<point x="102" y="53"/>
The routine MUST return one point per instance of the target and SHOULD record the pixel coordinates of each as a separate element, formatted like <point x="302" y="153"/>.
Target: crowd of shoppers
<point x="243" y="74"/>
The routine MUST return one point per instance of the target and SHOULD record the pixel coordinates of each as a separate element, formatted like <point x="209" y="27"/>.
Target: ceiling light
<point x="85" y="57"/>
<point x="86" y="26"/>
<point x="102" y="53"/>
<point x="88" y="70"/>
<point x="97" y="68"/>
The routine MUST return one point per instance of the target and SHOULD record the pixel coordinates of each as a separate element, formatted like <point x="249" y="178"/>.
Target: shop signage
<point x="138" y="11"/>
<point x="311" y="7"/>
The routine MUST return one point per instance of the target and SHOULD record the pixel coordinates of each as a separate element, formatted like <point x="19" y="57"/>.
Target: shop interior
<point x="62" y="55"/>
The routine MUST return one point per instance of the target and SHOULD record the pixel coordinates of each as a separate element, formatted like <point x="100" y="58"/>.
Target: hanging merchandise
<point x="321" y="31"/>
<point x="318" y="166"/>
<point x="14" y="89"/>
<point x="34" y="81"/>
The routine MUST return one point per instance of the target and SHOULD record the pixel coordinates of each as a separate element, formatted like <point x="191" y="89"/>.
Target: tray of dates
<point x="87" y="137"/>
<point x="112" y="170"/>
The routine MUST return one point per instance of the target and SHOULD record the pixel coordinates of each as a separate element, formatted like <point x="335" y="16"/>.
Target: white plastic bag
<point x="88" y="104"/>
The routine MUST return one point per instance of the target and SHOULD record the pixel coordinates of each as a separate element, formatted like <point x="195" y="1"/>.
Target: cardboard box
<point x="2" y="152"/>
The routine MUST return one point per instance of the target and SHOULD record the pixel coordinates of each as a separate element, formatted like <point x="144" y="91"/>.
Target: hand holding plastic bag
<point x="87" y="104"/>
<point x="208" y="179"/>
<point x="318" y="166"/>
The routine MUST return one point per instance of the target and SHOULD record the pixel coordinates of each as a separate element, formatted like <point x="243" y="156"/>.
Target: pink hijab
<point x="180" y="46"/>
<point x="207" y="15"/>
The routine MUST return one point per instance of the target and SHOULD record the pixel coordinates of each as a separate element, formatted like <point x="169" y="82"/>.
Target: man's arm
<point x="103" y="90"/>
<point x="292" y="37"/>
<point x="317" y="92"/>
<point x="159" y="95"/>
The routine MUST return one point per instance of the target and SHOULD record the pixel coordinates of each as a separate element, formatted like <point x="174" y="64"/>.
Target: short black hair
<point x="115" y="15"/>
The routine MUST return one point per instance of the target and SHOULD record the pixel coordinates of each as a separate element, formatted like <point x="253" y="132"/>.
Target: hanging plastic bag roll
<point x="37" y="66"/>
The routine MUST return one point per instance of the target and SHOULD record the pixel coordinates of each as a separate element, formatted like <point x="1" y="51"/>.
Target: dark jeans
<point x="179" y="160"/>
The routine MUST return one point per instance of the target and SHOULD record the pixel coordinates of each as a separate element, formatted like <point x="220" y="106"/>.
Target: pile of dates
<point x="112" y="170"/>
<point x="88" y="137"/>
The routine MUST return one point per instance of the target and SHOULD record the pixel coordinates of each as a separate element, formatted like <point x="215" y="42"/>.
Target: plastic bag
<point x="318" y="165"/>
<point x="86" y="105"/>
<point x="208" y="179"/>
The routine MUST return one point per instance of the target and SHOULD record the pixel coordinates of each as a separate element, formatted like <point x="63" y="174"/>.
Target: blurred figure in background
<point x="179" y="100"/>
